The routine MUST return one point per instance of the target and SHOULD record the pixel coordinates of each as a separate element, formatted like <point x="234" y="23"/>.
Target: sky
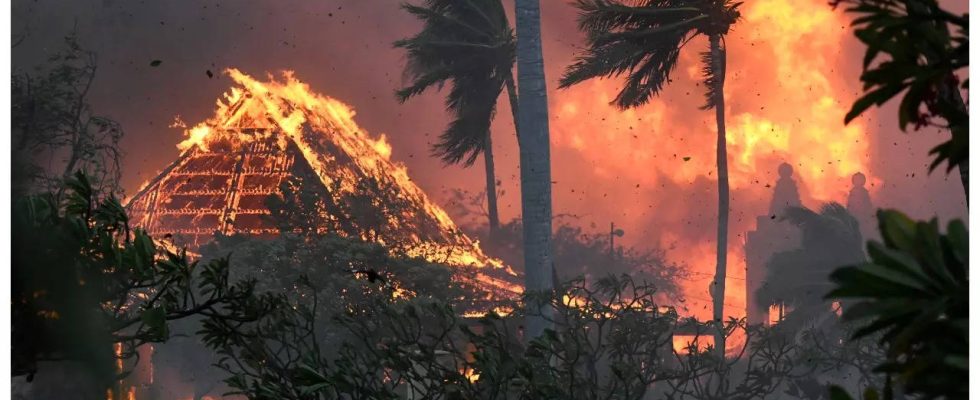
<point x="793" y="72"/>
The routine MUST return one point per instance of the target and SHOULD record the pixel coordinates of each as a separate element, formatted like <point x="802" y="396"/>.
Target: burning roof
<point x="268" y="135"/>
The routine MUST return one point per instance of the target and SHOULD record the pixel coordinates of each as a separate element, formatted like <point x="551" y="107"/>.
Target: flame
<point x="787" y="90"/>
<point x="196" y="137"/>
<point x="682" y="343"/>
<point x="308" y="118"/>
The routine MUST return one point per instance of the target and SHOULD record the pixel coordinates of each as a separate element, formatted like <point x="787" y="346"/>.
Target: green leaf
<point x="155" y="320"/>
<point x="897" y="230"/>
<point x="908" y="109"/>
<point x="959" y="240"/>
<point x="876" y="97"/>
<point x="960" y="362"/>
<point x="838" y="393"/>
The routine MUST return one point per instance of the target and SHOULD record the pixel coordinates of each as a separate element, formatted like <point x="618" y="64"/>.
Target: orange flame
<point x="290" y="106"/>
<point x="786" y="96"/>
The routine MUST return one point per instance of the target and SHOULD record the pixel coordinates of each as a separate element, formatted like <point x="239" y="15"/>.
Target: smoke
<point x="793" y="69"/>
<point x="781" y="107"/>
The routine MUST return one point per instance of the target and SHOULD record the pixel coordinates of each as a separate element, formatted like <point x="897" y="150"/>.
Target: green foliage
<point x="83" y="281"/>
<point x="644" y="42"/>
<point x="346" y="270"/>
<point x="922" y="47"/>
<point x="610" y="340"/>
<point x="54" y="130"/>
<point x="914" y="292"/>
<point x="470" y="44"/>
<point x="308" y="280"/>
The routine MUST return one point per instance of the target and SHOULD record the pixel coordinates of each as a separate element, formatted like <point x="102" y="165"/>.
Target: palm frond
<point x="642" y="41"/>
<point x="473" y="102"/>
<point x="844" y="223"/>
<point x="800" y="216"/>
<point x="492" y="12"/>
<point x="598" y="17"/>
<point x="648" y="66"/>
<point x="469" y="44"/>
<point x="639" y="34"/>
<point x="713" y="79"/>
<point x="648" y="79"/>
<point x="421" y="81"/>
<point x="437" y="20"/>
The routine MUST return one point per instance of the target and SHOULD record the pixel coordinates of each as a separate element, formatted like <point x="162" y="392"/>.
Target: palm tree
<point x="799" y="277"/>
<point x="643" y="42"/>
<point x="470" y="44"/>
<point x="535" y="150"/>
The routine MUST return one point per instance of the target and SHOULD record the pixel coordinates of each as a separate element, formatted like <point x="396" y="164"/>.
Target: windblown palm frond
<point x="831" y="238"/>
<point x="644" y="42"/>
<point x="473" y="101"/>
<point x="833" y="221"/>
<point x="470" y="45"/>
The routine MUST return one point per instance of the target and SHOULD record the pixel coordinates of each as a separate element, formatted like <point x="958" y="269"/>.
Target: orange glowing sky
<point x="781" y="106"/>
<point x="793" y="68"/>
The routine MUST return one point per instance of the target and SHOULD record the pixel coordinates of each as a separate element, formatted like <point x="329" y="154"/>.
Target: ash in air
<point x="489" y="199"/>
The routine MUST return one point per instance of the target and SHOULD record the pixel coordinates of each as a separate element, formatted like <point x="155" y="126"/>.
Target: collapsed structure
<point x="270" y="140"/>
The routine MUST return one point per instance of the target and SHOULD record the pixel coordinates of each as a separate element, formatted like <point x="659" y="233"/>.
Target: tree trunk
<point x="491" y="190"/>
<point x="512" y="95"/>
<point x="535" y="165"/>
<point x="718" y="285"/>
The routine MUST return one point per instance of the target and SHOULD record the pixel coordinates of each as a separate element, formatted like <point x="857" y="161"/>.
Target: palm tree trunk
<point x="491" y="190"/>
<point x="535" y="165"/>
<point x="722" y="159"/>
<point x="488" y="158"/>
<point x="512" y="95"/>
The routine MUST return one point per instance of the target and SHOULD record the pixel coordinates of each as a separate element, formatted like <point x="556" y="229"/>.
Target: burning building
<point x="270" y="139"/>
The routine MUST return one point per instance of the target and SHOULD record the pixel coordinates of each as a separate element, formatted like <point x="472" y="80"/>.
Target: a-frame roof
<point x="268" y="134"/>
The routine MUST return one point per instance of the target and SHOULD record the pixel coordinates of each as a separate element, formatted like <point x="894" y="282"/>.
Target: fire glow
<point x="255" y="127"/>
<point x="786" y="97"/>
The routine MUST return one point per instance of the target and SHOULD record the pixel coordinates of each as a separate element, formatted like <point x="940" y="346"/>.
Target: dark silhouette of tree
<point x="914" y="292"/>
<point x="83" y="281"/>
<point x="54" y="130"/>
<point x="303" y="284"/>
<point x="470" y="44"/>
<point x="609" y="340"/>
<point x="644" y="42"/>
<point x="916" y="47"/>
